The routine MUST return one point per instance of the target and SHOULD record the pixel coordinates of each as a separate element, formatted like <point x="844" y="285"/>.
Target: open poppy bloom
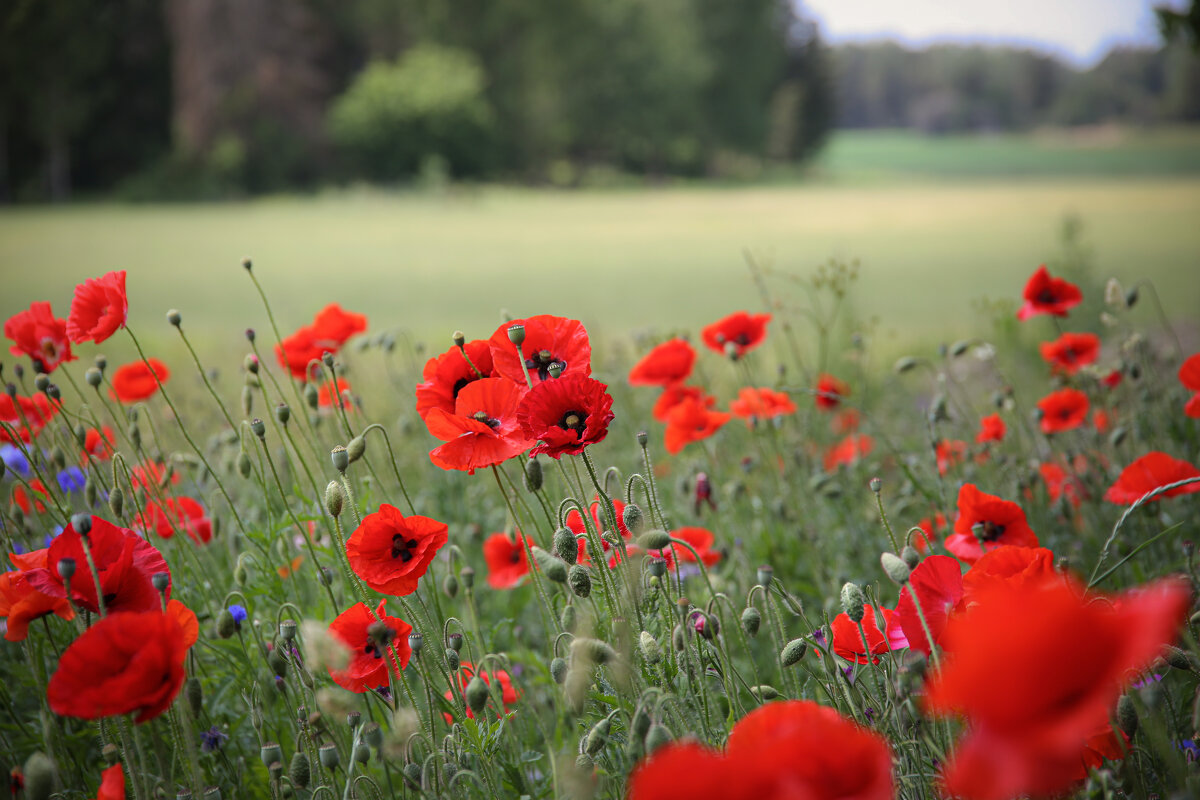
<point x="1059" y="482"/>
<point x="98" y="308"/>
<point x="22" y="498"/>
<point x="1031" y="717"/>
<point x="1020" y="568"/>
<point x="331" y="328"/>
<point x="446" y="375"/>
<point x="1189" y="376"/>
<point x="506" y="559"/>
<point x="21" y="603"/>
<point x="128" y="661"/>
<point x="779" y="751"/>
<point x="509" y="695"/>
<point x="1071" y="351"/>
<point x="124" y="561"/>
<point x="761" y="403"/>
<point x="845" y="421"/>
<point x="137" y="381"/>
<point x="690" y="421"/>
<point x="149" y="474"/>
<point x="98" y="444"/>
<point x="949" y="453"/>
<point x="176" y="514"/>
<point x="391" y="552"/>
<point x="701" y="540"/>
<point x="1047" y="295"/>
<point x="548" y="340"/>
<point x="830" y="392"/>
<point x="1063" y="410"/>
<point x="991" y="429"/>
<point x="930" y="531"/>
<point x="674" y="395"/>
<point x="27" y="416"/>
<point x="742" y="331"/>
<point x="848" y="451"/>
<point x="565" y="415"/>
<point x="1148" y="473"/>
<point x="848" y="639"/>
<point x="1000" y="522"/>
<point x="112" y="784"/>
<point x="327" y="398"/>
<point x="37" y="334"/>
<point x="372" y="646"/>
<point x="667" y="364"/>
<point x="575" y="523"/>
<point x="938" y="584"/>
<point x="484" y="429"/>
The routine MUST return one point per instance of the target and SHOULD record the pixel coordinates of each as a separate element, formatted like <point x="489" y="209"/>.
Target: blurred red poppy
<point x="701" y="540"/>
<point x="1071" y="351"/>
<point x="667" y="364"/>
<point x="565" y="415"/>
<point x="391" y="552"/>
<point x="830" y="392"/>
<point x="21" y="603"/>
<point x="1059" y="482"/>
<point x="98" y="444"/>
<point x="1019" y="567"/>
<point x="938" y="584"/>
<point x="128" y="661"/>
<point x="845" y="421"/>
<point x="446" y="375"/>
<point x="1001" y="522"/>
<point x="691" y="421"/>
<point x="1148" y="473"/>
<point x="136" y="381"/>
<point x="991" y="429"/>
<point x="372" y="646"/>
<point x="848" y="451"/>
<point x="674" y="395"/>
<point x="1189" y="376"/>
<point x="506" y="560"/>
<point x="848" y="639"/>
<point x="98" y="308"/>
<point x="331" y="328"/>
<point x="761" y="403"/>
<point x="742" y="331"/>
<point x="112" y="784"/>
<point x="326" y="398"/>
<point x="1063" y="410"/>
<point x="509" y="694"/>
<point x="548" y="340"/>
<point x="1047" y="295"/>
<point x="483" y="431"/>
<point x="26" y="416"/>
<point x="37" y="334"/>
<point x="176" y="514"/>
<point x="949" y="453"/>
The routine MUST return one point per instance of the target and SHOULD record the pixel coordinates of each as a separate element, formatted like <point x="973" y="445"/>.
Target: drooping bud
<point x="910" y="556"/>
<point x="312" y="397"/>
<point x="904" y="364"/>
<point x="40" y="777"/>
<point x="634" y="519"/>
<point x="335" y="497"/>
<point x="226" y="624"/>
<point x="566" y="546"/>
<point x="533" y="475"/>
<point x="194" y="694"/>
<point x="476" y="695"/>
<point x="452" y="660"/>
<point x="1179" y="659"/>
<point x="597" y="737"/>
<point x="764" y="693"/>
<point x="594" y="650"/>
<point x="355" y="448"/>
<point x="467" y="574"/>
<point x="551" y="565"/>
<point x="450" y="585"/>
<point x="656" y="737"/>
<point x="853" y="602"/>
<point x="568" y="618"/>
<point x="895" y="568"/>
<point x="278" y="662"/>
<point x="244" y="466"/>
<point x="654" y="540"/>
<point x="751" y="620"/>
<point x="793" y="651"/>
<point x="558" y="669"/>
<point x="579" y="580"/>
<point x="650" y="649"/>
<point x="299" y="770"/>
<point x="1127" y="716"/>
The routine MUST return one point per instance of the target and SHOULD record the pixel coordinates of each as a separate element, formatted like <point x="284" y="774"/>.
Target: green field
<point x="630" y="259"/>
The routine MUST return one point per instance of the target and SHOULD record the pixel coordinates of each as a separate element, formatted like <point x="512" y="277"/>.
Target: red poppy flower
<point x="1031" y="717"/>
<point x="1021" y="568"/>
<point x="137" y="381"/>
<point x="830" y="392"/>
<point x="761" y="403"/>
<point x="1149" y="472"/>
<point x="182" y="514"/>
<point x="98" y="444"/>
<point x="333" y="323"/>
<point x="483" y="431"/>
<point x="667" y="364"/>
<point x="509" y="695"/>
<point x="391" y="552"/>
<point x="949" y="453"/>
<point x="1101" y="420"/>
<point x="674" y="395"/>
<point x="331" y="328"/>
<point x="21" y="498"/>
<point x="370" y="658"/>
<point x="446" y="375"/>
<point x="1003" y="523"/>
<point x="1113" y="379"/>
<point x="327" y="399"/>
<point x="27" y="416"/>
<point x="37" y="334"/>
<point x="790" y="749"/>
<point x="691" y="421"/>
<point x="1059" y="482"/>
<point x="848" y="451"/>
<point x="938" y="584"/>
<point x="506" y="560"/>
<point x="548" y="339"/>
<point x="744" y="331"/>
<point x="1063" y="410"/>
<point x="98" y="308"/>
<point x="112" y="784"/>
<point x="21" y="603"/>
<point x="1189" y="376"/>
<point x="1071" y="351"/>
<point x="848" y="639"/>
<point x="845" y="421"/>
<point x="124" y="561"/>
<point x="565" y="415"/>
<point x="1047" y="295"/>
<point x="991" y="429"/>
<point x="129" y="661"/>
<point x="931" y="530"/>
<point x="149" y="474"/>
<point x="575" y="524"/>
<point x="701" y="539"/>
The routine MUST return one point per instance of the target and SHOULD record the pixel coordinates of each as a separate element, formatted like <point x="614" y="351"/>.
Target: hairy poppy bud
<point x="1127" y="716"/>
<point x="551" y="565"/>
<point x="278" y="662"/>
<point x="174" y="317"/>
<point x="40" y="776"/>
<point x="751" y="620"/>
<point x="568" y="618"/>
<point x="476" y="695"/>
<point x="90" y="493"/>
<point x="335" y="497"/>
<point x="299" y="770"/>
<point x="270" y="753"/>
<point x="656" y="737"/>
<point x="678" y="638"/>
<point x="566" y="546"/>
<point x="650" y="649"/>
<point x="311" y="396"/>
<point x="243" y="464"/>
<point x="910" y="556"/>
<point x="328" y="756"/>
<point x="764" y="693"/>
<point x="452" y="660"/>
<point x="226" y="624"/>
<point x="594" y="650"/>
<point x="194" y="694"/>
<point x="450" y="585"/>
<point x="558" y="669"/>
<point x="580" y="580"/>
<point x="793" y="652"/>
<point x="533" y="475"/>
<point x="468" y="576"/>
<point x="895" y="568"/>
<point x="355" y="448"/>
<point x="597" y="737"/>
<point x="853" y="602"/>
<point x="516" y="334"/>
<point x="1179" y="659"/>
<point x="111" y="754"/>
<point x="655" y="540"/>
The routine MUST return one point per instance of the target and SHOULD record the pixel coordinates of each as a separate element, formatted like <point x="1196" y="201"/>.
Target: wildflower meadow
<point x="734" y="560"/>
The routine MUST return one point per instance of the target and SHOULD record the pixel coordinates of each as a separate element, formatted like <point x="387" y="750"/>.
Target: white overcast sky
<point x="1081" y="31"/>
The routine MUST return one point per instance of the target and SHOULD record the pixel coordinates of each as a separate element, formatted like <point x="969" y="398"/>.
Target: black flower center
<point x="402" y="548"/>
<point x="541" y="361"/>
<point x="574" y="420"/>
<point x="482" y="416"/>
<point x="742" y="339"/>
<point x="990" y="531"/>
<point x="515" y="557"/>
<point x="373" y="650"/>
<point x="1047" y="296"/>
<point x="458" y="386"/>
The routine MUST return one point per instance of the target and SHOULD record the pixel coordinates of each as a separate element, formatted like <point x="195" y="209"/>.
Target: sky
<point x="1080" y="31"/>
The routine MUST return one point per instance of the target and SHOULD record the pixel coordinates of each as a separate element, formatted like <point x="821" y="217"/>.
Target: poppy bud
<point x="764" y="575"/>
<point x="642" y="438"/>
<point x="355" y="448"/>
<point x="1127" y="716"/>
<point x="594" y="650"/>
<point x="415" y="642"/>
<point x="325" y="576"/>
<point x="910" y="556"/>
<point x="937" y="411"/>
<point x="90" y="494"/>
<point x="597" y="736"/>
<point x="40" y="776"/>
<point x="450" y="586"/>
<point x="895" y="568"/>
<point x="558" y="669"/>
<point x="452" y="659"/>
<point x="270" y="753"/>
<point x="299" y="771"/>
<point x="226" y="624"/>
<point x="476" y="695"/>
<point x="678" y="638"/>
<point x="328" y="755"/>
<point x="82" y="523"/>
<point x="579" y="580"/>
<point x="1131" y="297"/>
<point x="904" y="364"/>
<point x="1179" y="659"/>
<point x="66" y="568"/>
<point x="650" y="649"/>
<point x="111" y="754"/>
<point x="853" y="602"/>
<point x="174" y="317"/>
<point x="311" y="396"/>
<point x="455" y="641"/>
<point x="585" y="763"/>
<point x="194" y="694"/>
<point x="160" y="581"/>
<point x="533" y="475"/>
<point x="362" y="753"/>
<point x="93" y="377"/>
<point x="412" y="773"/>
<point x="53" y="392"/>
<point x="459" y="338"/>
<point x="655" y="540"/>
<point x="656" y="737"/>
<point x="516" y="334"/>
<point x="243" y="464"/>
<point x="554" y="567"/>
<point x="183" y="794"/>
<point x="764" y="693"/>
<point x="1117" y="436"/>
<point x="468" y="577"/>
<point x="566" y="546"/>
<point x="793" y="652"/>
<point x="335" y="497"/>
<point x="568" y="618"/>
<point x="751" y="620"/>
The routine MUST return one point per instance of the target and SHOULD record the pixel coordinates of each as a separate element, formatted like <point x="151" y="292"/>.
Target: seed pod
<point x="650" y="649"/>
<point x="94" y="377"/>
<point x="299" y="770"/>
<point x="678" y="639"/>
<point x="283" y="413"/>
<point x="1179" y="659"/>
<point x="328" y="756"/>
<point x="455" y="641"/>
<point x="793" y="651"/>
<point x="656" y="737"/>
<point x="533" y="475"/>
<point x="311" y="396"/>
<point x="270" y="753"/>
<point x="895" y="568"/>
<point x="552" y="566"/>
<point x="476" y="695"/>
<point x="412" y="774"/>
<point x="763" y="576"/>
<point x="751" y="620"/>
<point x="362" y="753"/>
<point x="566" y="546"/>
<point x="579" y="580"/>
<point x="340" y="458"/>
<point x="853" y="602"/>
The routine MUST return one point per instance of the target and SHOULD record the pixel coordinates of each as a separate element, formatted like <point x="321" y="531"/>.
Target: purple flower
<point x="212" y="739"/>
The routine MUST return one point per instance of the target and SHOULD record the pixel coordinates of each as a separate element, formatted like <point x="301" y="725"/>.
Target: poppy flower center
<point x="372" y="649"/>
<point x="990" y="531"/>
<point x="458" y="386"/>
<point x="515" y="557"/>
<point x="742" y="339"/>
<point x="541" y="361"/>
<point x="49" y="349"/>
<point x="402" y="548"/>
<point x="482" y="416"/>
<point x="1047" y="296"/>
<point x="573" y="421"/>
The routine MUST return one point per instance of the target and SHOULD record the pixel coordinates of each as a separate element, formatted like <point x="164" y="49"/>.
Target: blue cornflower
<point x="238" y="613"/>
<point x="15" y="460"/>
<point x="212" y="739"/>
<point x="71" y="479"/>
